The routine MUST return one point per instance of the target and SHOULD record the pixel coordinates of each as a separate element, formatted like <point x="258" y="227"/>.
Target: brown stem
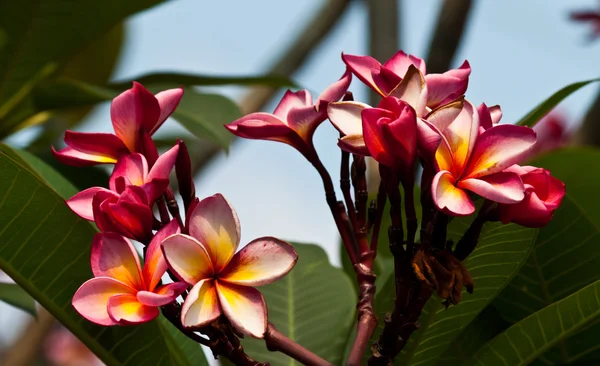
<point x="345" y="187"/>
<point x="277" y="342"/>
<point x="411" y="214"/>
<point x="367" y="321"/>
<point x="359" y="179"/>
<point x="451" y="23"/>
<point x="467" y="243"/>
<point x="379" y="206"/>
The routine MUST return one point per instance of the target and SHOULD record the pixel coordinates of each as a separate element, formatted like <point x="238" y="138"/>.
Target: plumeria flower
<point x="223" y="280"/>
<point x="133" y="112"/>
<point x="442" y="88"/>
<point x="126" y="207"/>
<point x="551" y="132"/>
<point x="122" y="292"/>
<point x="543" y="195"/>
<point x="469" y="161"/>
<point x="295" y="118"/>
<point x="489" y="116"/>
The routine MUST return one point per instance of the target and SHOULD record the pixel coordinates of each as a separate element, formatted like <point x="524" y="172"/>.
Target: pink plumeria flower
<point x="222" y="279"/>
<point x="122" y="292"/>
<point x="469" y="161"/>
<point x="126" y="207"/>
<point x="489" y="116"/>
<point x="295" y="118"/>
<point x="442" y="88"/>
<point x="133" y="112"/>
<point x="543" y="195"/>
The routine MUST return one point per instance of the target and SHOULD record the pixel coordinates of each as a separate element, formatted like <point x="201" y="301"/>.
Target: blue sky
<point x="520" y="53"/>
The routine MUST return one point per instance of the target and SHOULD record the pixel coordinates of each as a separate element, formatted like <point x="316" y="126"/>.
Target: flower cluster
<point x="199" y="254"/>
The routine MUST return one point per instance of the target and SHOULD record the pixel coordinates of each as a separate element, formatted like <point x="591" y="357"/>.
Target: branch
<point x="448" y="33"/>
<point x="277" y="342"/>
<point x="290" y="60"/>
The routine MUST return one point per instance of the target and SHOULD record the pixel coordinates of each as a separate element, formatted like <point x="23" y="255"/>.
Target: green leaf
<point x="501" y="251"/>
<point x="43" y="36"/>
<point x="566" y="255"/>
<point x="313" y="305"/>
<point x="531" y="118"/>
<point x="45" y="250"/>
<point x="205" y="80"/>
<point x="13" y="295"/>
<point x="523" y="342"/>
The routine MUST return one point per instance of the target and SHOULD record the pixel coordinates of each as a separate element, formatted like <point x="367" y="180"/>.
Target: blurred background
<point x="520" y="52"/>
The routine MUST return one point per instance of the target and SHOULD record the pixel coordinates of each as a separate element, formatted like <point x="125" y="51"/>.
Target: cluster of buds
<point x="198" y="253"/>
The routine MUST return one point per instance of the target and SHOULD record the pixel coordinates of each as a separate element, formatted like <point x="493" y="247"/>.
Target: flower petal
<point x="201" y="305"/>
<point x="448" y="86"/>
<point x="335" y="91"/>
<point x="400" y="62"/>
<point x="305" y="120"/>
<point x="244" y="307"/>
<point x="164" y="164"/>
<point x="187" y="258"/>
<point x="73" y="157"/>
<point x="443" y="116"/>
<point x="154" y="262"/>
<point x="495" y="113"/>
<point x="413" y="90"/>
<point x="346" y="117"/>
<point x="354" y="144"/>
<point x="498" y="148"/>
<point x="168" y="100"/>
<point x="373" y="134"/>
<point x="99" y="144"/>
<point x="363" y="67"/>
<point x="448" y="197"/>
<point x="461" y="135"/>
<point x="134" y="110"/>
<point x="291" y="100"/>
<point x="91" y="299"/>
<point x="499" y="187"/>
<point x="81" y="203"/>
<point x="114" y="256"/>
<point x="163" y="295"/>
<point x="215" y="224"/>
<point x="133" y="167"/>
<point x="126" y="309"/>
<point x="262" y="261"/>
<point x="135" y="218"/>
<point x="262" y="126"/>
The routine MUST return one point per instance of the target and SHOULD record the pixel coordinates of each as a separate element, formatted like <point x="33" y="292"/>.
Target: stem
<point x="277" y="342"/>
<point x="367" y="321"/>
<point x="468" y="242"/>
<point x="411" y="214"/>
<point x="359" y="179"/>
<point x="173" y="206"/>
<point x="172" y="312"/>
<point x="345" y="186"/>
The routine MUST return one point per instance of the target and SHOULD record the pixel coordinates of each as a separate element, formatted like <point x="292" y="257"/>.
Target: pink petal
<point x="81" y="203"/>
<point x="114" y="256"/>
<point x="531" y="212"/>
<point x="362" y="67"/>
<point x="187" y="258"/>
<point x="461" y="135"/>
<point x="155" y="188"/>
<point x="244" y="307"/>
<point x="413" y="90"/>
<point x="448" y="197"/>
<point x="498" y="148"/>
<point x="133" y="167"/>
<point x="447" y="86"/>
<point x="499" y="187"/>
<point x="134" y="110"/>
<point x="304" y="121"/>
<point x="154" y="262"/>
<point x="91" y="299"/>
<point x="335" y="91"/>
<point x="354" y="144"/>
<point x="262" y="261"/>
<point x="291" y="100"/>
<point x="495" y="113"/>
<point x="443" y="116"/>
<point x="485" y="117"/>
<point x="168" y="100"/>
<point x="163" y="295"/>
<point x="201" y="306"/>
<point x="164" y="164"/>
<point x="73" y="157"/>
<point x="262" y="126"/>
<point x="346" y="117"/>
<point x="400" y="62"/>
<point x="134" y="194"/>
<point x="135" y="218"/>
<point x="99" y="144"/>
<point x="215" y="224"/>
<point x="126" y="309"/>
<point x="428" y="139"/>
<point x="99" y="202"/>
<point x="373" y="119"/>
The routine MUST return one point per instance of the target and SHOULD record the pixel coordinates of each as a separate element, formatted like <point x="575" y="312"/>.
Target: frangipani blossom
<point x="127" y="207"/>
<point x="122" y="292"/>
<point x="442" y="88"/>
<point x="295" y="118"/>
<point x="543" y="195"/>
<point x="222" y="279"/>
<point x="133" y="112"/>
<point x="467" y="160"/>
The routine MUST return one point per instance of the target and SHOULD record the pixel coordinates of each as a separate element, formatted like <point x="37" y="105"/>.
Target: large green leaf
<point x="501" y="251"/>
<point x="45" y="249"/>
<point x="566" y="256"/>
<point x="313" y="305"/>
<point x="523" y="342"/>
<point x="14" y="295"/>
<point x="206" y="80"/>
<point x="531" y="118"/>
<point x="42" y="36"/>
